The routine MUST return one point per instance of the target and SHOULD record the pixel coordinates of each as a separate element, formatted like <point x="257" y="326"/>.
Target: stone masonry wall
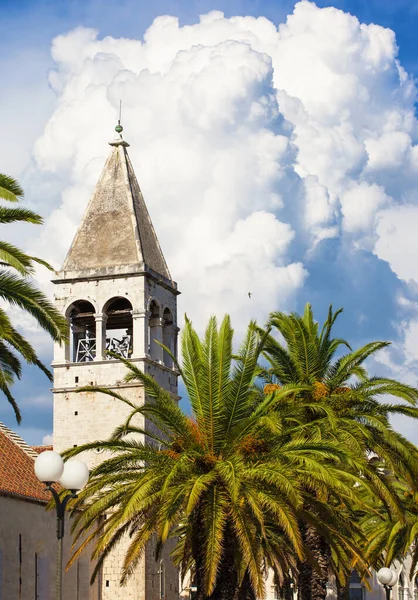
<point x="81" y="417"/>
<point x="28" y="548"/>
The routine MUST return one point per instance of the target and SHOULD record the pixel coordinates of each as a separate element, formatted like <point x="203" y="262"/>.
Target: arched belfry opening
<point x="119" y="330"/>
<point x="81" y="315"/>
<point x="168" y="337"/>
<point x="154" y="331"/>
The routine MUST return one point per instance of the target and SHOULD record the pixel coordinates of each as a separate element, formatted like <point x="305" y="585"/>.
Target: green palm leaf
<point x="17" y="291"/>
<point x="10" y="189"/>
<point x="13" y="215"/>
<point x="26" y="296"/>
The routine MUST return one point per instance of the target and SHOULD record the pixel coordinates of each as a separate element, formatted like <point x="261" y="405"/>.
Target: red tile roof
<point x="40" y="449"/>
<point x="17" y="476"/>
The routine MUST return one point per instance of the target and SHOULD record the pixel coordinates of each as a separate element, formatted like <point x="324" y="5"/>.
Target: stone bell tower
<point x="117" y="293"/>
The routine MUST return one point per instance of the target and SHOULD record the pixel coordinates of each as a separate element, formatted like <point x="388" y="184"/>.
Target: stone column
<point x="168" y="341"/>
<point x="156" y="335"/>
<point x="76" y="333"/>
<point x="61" y="353"/>
<point x="175" y="341"/>
<point x="140" y="333"/>
<point x="101" y="320"/>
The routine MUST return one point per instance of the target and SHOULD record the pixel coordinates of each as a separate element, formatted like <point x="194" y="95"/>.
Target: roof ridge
<point x="140" y="209"/>
<point x="16" y="439"/>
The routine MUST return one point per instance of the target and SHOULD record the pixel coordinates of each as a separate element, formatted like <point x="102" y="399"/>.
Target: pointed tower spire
<point x="116" y="234"/>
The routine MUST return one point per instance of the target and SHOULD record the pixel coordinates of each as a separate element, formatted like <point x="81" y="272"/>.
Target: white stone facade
<point x="87" y="416"/>
<point x="406" y="587"/>
<point x="28" y="552"/>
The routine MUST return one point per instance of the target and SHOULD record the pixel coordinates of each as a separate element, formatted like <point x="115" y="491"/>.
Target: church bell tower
<point x="117" y="294"/>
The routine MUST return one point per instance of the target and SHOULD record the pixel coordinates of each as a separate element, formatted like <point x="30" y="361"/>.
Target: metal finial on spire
<point x="119" y="141"/>
<point x="119" y="127"/>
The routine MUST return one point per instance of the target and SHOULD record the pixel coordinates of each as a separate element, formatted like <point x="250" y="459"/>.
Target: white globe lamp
<point x="49" y="466"/>
<point x="387" y="578"/>
<point x="384" y="575"/>
<point x="75" y="475"/>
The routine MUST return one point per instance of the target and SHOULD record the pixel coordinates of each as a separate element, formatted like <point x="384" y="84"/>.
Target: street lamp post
<point x="387" y="578"/>
<point x="72" y="475"/>
<point x="161" y="573"/>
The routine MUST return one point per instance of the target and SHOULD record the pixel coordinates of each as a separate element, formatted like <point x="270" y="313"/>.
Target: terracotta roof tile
<point x="40" y="449"/>
<point x="17" y="475"/>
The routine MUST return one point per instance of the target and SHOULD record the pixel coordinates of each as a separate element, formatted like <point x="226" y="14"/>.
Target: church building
<point x="117" y="293"/>
<point x="119" y="298"/>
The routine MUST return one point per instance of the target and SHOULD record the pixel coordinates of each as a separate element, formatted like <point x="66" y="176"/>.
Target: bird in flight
<point x="249" y="294"/>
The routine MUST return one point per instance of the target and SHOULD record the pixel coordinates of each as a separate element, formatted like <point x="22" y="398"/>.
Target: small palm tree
<point x="228" y="479"/>
<point x="17" y="291"/>
<point x="361" y="419"/>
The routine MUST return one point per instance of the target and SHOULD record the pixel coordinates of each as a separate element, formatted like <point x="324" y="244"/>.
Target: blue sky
<point x="27" y="26"/>
<point x="359" y="271"/>
<point x="34" y="23"/>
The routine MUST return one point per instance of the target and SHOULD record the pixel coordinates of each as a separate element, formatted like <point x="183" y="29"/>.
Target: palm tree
<point x="17" y="291"/>
<point x="388" y="539"/>
<point x="229" y="479"/>
<point x="343" y="385"/>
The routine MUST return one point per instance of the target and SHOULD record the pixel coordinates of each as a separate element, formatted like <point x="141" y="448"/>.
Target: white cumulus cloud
<point x="397" y="241"/>
<point x="211" y="153"/>
<point x="48" y="439"/>
<point x="254" y="143"/>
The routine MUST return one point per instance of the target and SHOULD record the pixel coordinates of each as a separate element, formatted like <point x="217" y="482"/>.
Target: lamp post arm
<point x="60" y="506"/>
<point x="388" y="589"/>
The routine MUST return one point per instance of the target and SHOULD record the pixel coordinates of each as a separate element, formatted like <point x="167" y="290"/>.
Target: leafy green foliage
<point x="297" y="478"/>
<point x="16" y="290"/>
<point x="356" y="411"/>
<point x="235" y="478"/>
<point x="10" y="189"/>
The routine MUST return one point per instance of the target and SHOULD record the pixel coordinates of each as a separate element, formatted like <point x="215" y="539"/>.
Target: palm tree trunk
<point x="313" y="579"/>
<point x="226" y="587"/>
<point x="246" y="591"/>
<point x="304" y="581"/>
<point x="343" y="589"/>
<point x="197" y="552"/>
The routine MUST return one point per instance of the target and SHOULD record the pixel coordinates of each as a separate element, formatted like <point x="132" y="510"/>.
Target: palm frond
<point x="13" y="215"/>
<point x="26" y="296"/>
<point x="10" y="189"/>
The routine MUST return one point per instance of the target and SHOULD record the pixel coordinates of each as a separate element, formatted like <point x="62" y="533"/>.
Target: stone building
<point x="27" y="532"/>
<point x="405" y="588"/>
<point x="117" y="293"/>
